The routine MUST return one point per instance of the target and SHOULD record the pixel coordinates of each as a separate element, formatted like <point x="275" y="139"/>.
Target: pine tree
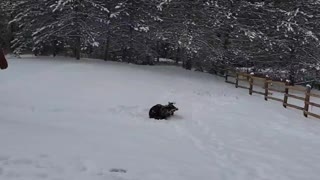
<point x="6" y="31"/>
<point x="50" y="21"/>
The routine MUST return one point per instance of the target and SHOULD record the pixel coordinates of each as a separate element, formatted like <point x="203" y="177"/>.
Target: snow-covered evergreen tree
<point x="132" y="26"/>
<point x="75" y="22"/>
<point x="6" y="31"/>
<point x="206" y="33"/>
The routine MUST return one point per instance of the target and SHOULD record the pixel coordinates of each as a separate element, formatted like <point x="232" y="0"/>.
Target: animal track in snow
<point x="118" y="170"/>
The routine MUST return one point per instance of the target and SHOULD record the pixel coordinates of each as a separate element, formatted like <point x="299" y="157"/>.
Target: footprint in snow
<point x="118" y="170"/>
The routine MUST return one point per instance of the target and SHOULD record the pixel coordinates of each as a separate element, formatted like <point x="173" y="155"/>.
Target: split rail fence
<point x="250" y="81"/>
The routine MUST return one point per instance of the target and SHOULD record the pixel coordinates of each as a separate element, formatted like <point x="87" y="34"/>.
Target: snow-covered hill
<point x="62" y="119"/>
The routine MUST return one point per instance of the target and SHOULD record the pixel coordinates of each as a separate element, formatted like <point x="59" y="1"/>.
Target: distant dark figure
<point x="159" y="111"/>
<point x="3" y="61"/>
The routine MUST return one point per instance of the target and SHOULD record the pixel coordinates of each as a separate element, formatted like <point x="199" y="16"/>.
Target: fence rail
<point x="284" y="89"/>
<point x="294" y="96"/>
<point x="314" y="95"/>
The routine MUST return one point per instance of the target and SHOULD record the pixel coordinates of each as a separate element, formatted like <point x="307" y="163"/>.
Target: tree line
<point x="268" y="35"/>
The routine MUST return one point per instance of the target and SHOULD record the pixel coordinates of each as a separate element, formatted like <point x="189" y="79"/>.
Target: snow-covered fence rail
<point x="251" y="81"/>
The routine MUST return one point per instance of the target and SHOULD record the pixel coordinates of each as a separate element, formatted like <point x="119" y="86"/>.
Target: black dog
<point x="159" y="111"/>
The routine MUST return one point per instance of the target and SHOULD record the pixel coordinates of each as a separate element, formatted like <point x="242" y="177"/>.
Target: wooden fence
<point x="251" y="81"/>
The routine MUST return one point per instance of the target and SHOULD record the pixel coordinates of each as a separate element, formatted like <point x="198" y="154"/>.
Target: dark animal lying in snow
<point x="159" y="111"/>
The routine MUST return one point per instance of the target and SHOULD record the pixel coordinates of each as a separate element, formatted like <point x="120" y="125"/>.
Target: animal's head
<point x="172" y="107"/>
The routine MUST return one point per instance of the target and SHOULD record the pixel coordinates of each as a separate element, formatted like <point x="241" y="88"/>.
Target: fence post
<point x="237" y="80"/>
<point x="286" y="92"/>
<point x="251" y="84"/>
<point x="306" y="101"/>
<point x="266" y="86"/>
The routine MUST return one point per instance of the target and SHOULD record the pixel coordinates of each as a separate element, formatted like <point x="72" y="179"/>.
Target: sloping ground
<point x="62" y="119"/>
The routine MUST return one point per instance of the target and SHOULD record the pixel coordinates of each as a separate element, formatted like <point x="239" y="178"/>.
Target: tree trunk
<point x="130" y="23"/>
<point x="226" y="41"/>
<point x="188" y="64"/>
<point x="78" y="47"/>
<point x="130" y="53"/>
<point x="77" y="9"/>
<point x="106" y="51"/>
<point x="291" y="77"/>
<point x="124" y="54"/>
<point x="165" y="50"/>
<point x="148" y="59"/>
<point x="54" y="48"/>
<point x="10" y="34"/>
<point x="182" y="57"/>
<point x="158" y="51"/>
<point x="113" y="56"/>
<point x="178" y="55"/>
<point x="292" y="68"/>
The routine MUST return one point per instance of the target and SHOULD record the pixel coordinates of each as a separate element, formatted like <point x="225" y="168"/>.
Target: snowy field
<point x="62" y="119"/>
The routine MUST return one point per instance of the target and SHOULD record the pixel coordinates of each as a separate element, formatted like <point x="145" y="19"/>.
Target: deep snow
<point x="62" y="119"/>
